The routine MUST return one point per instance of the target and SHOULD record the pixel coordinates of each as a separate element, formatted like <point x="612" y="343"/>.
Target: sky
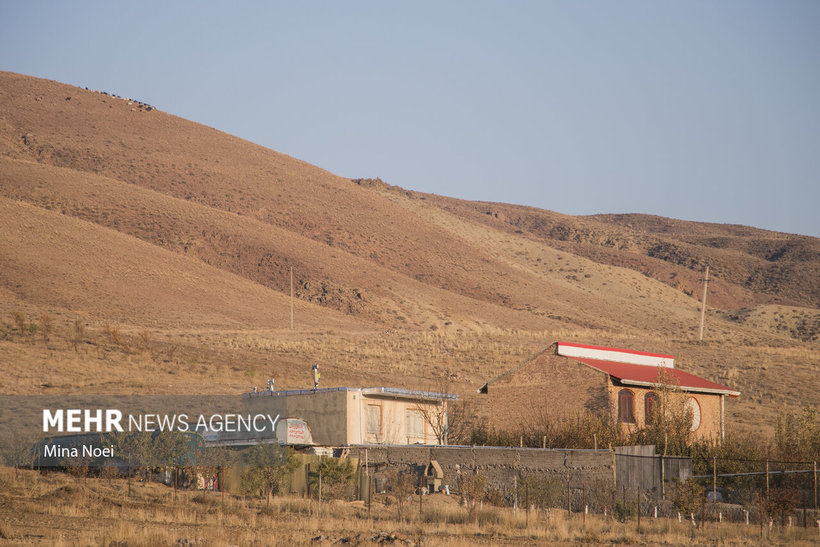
<point x="698" y="110"/>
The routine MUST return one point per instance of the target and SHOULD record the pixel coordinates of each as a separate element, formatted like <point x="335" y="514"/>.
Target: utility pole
<point x="703" y="305"/>
<point x="291" y="299"/>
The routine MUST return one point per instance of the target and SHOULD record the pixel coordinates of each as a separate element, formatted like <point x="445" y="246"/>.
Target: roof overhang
<point x="398" y="393"/>
<point x="617" y="355"/>
<point x="689" y="389"/>
<point x="392" y="392"/>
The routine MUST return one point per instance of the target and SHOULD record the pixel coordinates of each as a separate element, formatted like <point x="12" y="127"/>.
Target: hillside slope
<point x="113" y="211"/>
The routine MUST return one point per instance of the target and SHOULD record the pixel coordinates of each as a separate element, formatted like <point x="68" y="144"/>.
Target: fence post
<point x="515" y="495"/>
<point x="767" y="478"/>
<point x="815" y="485"/>
<point x="663" y="477"/>
<point x="615" y="473"/>
<point x="714" y="480"/>
<point x="421" y="485"/>
<point x="584" y="501"/>
<point x="527" y="501"/>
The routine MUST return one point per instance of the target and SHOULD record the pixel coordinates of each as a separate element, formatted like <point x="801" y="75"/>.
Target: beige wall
<point x="394" y="428"/>
<point x="339" y="418"/>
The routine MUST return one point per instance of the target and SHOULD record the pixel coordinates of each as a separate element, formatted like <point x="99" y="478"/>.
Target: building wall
<point x="394" y="427"/>
<point x="709" y="428"/>
<point x="549" y="388"/>
<point x="339" y="418"/>
<point x="552" y="387"/>
<point x="324" y="411"/>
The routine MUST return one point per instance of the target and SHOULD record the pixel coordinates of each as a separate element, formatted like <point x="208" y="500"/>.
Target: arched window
<point x="650" y="407"/>
<point x="693" y="408"/>
<point x="625" y="406"/>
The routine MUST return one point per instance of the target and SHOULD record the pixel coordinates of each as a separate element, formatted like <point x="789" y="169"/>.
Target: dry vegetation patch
<point x="54" y="508"/>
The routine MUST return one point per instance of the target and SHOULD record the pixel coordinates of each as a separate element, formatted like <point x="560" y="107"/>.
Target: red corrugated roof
<point x="646" y="375"/>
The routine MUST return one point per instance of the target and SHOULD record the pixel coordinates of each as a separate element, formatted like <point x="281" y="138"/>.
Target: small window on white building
<point x="374" y="419"/>
<point x="415" y="425"/>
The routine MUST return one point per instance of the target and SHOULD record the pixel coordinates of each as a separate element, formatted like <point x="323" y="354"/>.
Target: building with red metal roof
<point x="621" y="383"/>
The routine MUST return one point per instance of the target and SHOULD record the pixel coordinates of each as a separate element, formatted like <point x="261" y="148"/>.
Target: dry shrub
<point x="781" y="503"/>
<point x="46" y="326"/>
<point x="687" y="496"/>
<point x="19" y="321"/>
<point x="77" y="334"/>
<point x="112" y="335"/>
<point x="401" y="483"/>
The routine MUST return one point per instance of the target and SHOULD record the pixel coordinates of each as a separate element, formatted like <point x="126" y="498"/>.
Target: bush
<point x="258" y="474"/>
<point x="687" y="497"/>
<point x="338" y="476"/>
<point x="625" y="511"/>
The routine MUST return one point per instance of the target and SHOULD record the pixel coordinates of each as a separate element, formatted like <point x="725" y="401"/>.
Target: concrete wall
<point x="324" y="411"/>
<point x="639" y="467"/>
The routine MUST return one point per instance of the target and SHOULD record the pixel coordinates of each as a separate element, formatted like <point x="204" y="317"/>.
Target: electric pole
<point x="703" y="305"/>
<point x="291" y="298"/>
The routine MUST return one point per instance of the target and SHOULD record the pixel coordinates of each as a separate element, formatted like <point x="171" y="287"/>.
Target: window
<point x="693" y="408"/>
<point x="625" y="413"/>
<point x="415" y="425"/>
<point x="374" y="419"/>
<point x="650" y="407"/>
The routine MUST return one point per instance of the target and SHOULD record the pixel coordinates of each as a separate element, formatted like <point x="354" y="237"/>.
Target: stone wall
<point x="501" y="467"/>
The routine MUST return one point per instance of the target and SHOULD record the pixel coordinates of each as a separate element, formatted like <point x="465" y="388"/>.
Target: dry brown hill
<point x="113" y="211"/>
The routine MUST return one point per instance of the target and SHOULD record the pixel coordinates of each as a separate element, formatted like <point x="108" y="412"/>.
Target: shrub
<point x="687" y="497"/>
<point x="19" y="321"/>
<point x="46" y="326"/>
<point x="337" y="477"/>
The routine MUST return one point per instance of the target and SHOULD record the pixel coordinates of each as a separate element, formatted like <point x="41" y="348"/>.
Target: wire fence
<point x="763" y="493"/>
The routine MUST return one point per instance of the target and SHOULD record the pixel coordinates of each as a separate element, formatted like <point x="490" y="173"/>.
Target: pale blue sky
<point x="701" y="110"/>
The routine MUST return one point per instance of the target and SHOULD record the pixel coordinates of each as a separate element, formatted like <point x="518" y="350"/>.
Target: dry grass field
<point x="144" y="253"/>
<point x="56" y="509"/>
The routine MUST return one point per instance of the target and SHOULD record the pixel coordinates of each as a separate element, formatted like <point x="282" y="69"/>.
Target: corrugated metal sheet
<point x="642" y="375"/>
<point x="386" y="391"/>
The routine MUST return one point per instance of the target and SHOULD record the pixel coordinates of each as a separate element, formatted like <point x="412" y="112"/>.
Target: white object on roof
<point x="615" y="354"/>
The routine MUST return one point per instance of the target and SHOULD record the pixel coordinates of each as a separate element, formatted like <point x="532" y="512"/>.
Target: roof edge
<point x="619" y="350"/>
<point x="729" y="392"/>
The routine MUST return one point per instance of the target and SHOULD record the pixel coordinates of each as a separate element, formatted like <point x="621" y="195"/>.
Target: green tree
<point x="266" y="467"/>
<point x="797" y="435"/>
<point x="337" y="476"/>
